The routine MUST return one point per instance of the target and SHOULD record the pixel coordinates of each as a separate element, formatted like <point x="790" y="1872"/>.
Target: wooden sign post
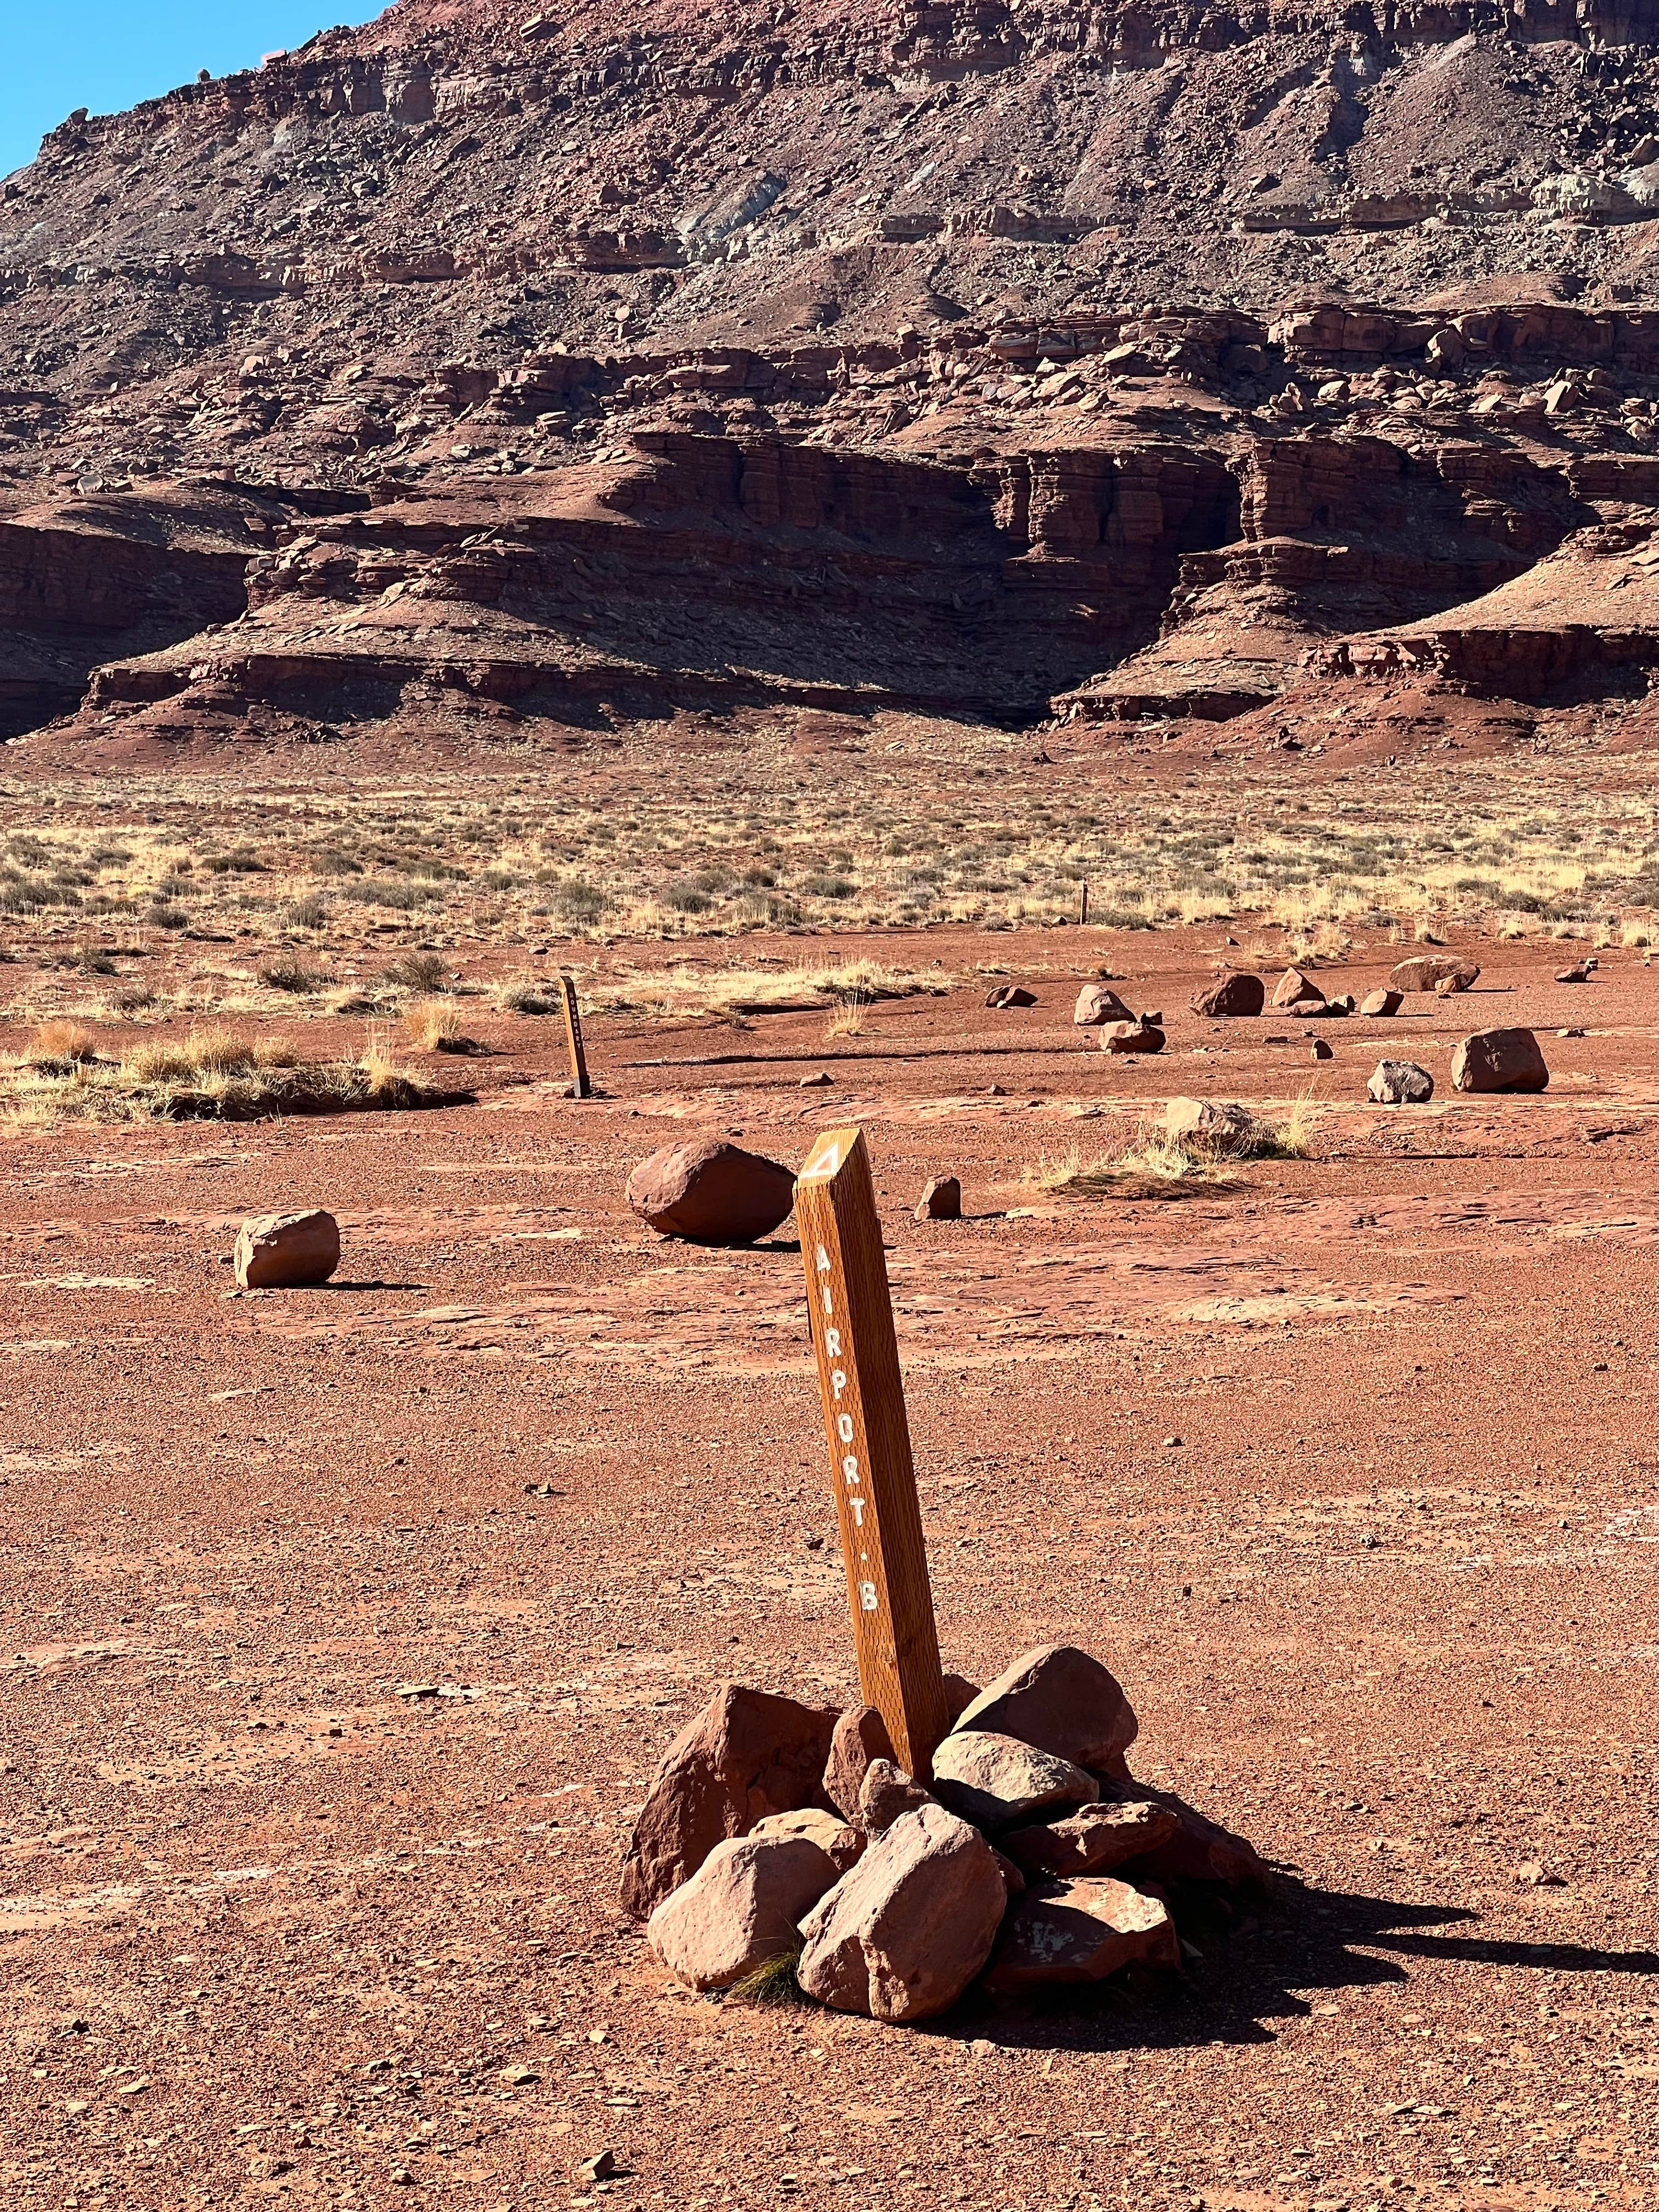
<point x="572" y="1037"/>
<point x="871" y="1470"/>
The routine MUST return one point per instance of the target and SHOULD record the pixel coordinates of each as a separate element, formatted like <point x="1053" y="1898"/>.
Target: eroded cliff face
<point x="972" y="356"/>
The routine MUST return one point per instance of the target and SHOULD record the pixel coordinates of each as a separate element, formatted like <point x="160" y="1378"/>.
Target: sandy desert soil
<point x="1341" y="1461"/>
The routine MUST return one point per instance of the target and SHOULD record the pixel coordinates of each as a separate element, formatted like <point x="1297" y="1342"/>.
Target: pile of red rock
<point x="775" y="1831"/>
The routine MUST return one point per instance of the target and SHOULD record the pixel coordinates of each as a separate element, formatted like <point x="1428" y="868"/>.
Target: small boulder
<point x="1399" y="1083"/>
<point x="1092" y="1841"/>
<point x="1427" y="969"/>
<point x="839" y="1840"/>
<point x="940" y="1201"/>
<point x="1217" y="1125"/>
<point x="1381" y="1003"/>
<point x="1343" y="1004"/>
<point x="902" y="1935"/>
<point x="860" y="1737"/>
<point x="747" y="1753"/>
<point x="709" y="1191"/>
<point x="741" y="1907"/>
<point x="995" y="1780"/>
<point x="1132" y="1036"/>
<point x="1580" y="973"/>
<point x="1080" y="1931"/>
<point x="1096" y="1005"/>
<point x="1058" y="1699"/>
<point x="887" y="1794"/>
<point x="1319" y="1050"/>
<point x="959" y="1694"/>
<point x="1011" y="994"/>
<point x="1500" y="1059"/>
<point x="286" y="1251"/>
<point x="1200" y="1849"/>
<point x="1230" y="996"/>
<point x="1293" y="988"/>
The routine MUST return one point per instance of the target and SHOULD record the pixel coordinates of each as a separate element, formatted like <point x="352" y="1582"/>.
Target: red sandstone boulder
<point x="1011" y="994"/>
<point x="286" y="1251"/>
<point x="1058" y="1699"/>
<point x="711" y="1192"/>
<point x="1092" y="1841"/>
<point x="1293" y="988"/>
<point x="1096" y="1005"/>
<point x="1231" y="996"/>
<point x="941" y="1201"/>
<point x="1132" y="1036"/>
<point x="902" y="1935"/>
<point x="1200" y="1849"/>
<point x="838" y="1839"/>
<point x="746" y="1754"/>
<point x="1500" y="1059"/>
<point x="1381" y="1003"/>
<point x="860" y="1737"/>
<point x="1426" y="970"/>
<point x="1080" y="1930"/>
<point x="741" y="1907"/>
<point x="887" y="1794"/>
<point x="996" y="1780"/>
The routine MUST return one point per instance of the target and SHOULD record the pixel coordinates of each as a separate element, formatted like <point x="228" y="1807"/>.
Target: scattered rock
<point x="1381" y="1003"/>
<point x="1132" y="1036"/>
<point x="886" y="1795"/>
<point x="995" y="1780"/>
<point x="860" y="1737"/>
<point x="1058" y="1699"/>
<point x="959" y="1694"/>
<point x="741" y="1907"/>
<point x="1500" y="1059"/>
<point x="747" y="1753"/>
<point x="600" y="2167"/>
<point x="1092" y="1841"/>
<point x="1293" y="988"/>
<point x="1581" y="973"/>
<point x="940" y="1201"/>
<point x="1427" y="969"/>
<point x="839" y="1840"/>
<point x="1343" y="1004"/>
<point x="1080" y="1931"/>
<point x="821" y="1081"/>
<point x="1230" y="996"/>
<point x="286" y="1251"/>
<point x="711" y="1192"/>
<point x="1399" y="1083"/>
<point x="1319" y="1050"/>
<point x="1533" y="1873"/>
<point x="1220" y="1124"/>
<point x="902" y="1935"/>
<point x="1011" y="994"/>
<point x="1096" y="1005"/>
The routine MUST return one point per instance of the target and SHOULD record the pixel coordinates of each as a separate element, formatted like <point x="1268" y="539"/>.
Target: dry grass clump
<point x="432" y="1026"/>
<point x="1153" y="1164"/>
<point x="848" y="1020"/>
<point x="297" y="977"/>
<point x="687" y="991"/>
<point x="425" y="972"/>
<point x="212" y="1074"/>
<point x="772" y="1983"/>
<point x="62" y="1043"/>
<point x="522" y="994"/>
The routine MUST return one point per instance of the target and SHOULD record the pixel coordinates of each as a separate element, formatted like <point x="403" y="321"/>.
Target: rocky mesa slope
<point x="497" y="374"/>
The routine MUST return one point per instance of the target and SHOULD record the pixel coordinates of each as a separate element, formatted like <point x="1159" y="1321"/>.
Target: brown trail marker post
<point x="572" y="1037"/>
<point x="1084" y="915"/>
<point x="873" y="1474"/>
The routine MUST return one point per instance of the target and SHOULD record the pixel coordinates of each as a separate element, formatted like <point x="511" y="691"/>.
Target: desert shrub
<point x="295" y="976"/>
<point x="165" y="915"/>
<point x="426" y="972"/>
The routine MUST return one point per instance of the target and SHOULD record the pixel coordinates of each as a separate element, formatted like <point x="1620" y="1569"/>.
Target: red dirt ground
<point x="1345" y="1467"/>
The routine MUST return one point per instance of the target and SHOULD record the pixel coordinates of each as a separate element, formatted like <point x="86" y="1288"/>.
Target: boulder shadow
<point x="1252" y="1961"/>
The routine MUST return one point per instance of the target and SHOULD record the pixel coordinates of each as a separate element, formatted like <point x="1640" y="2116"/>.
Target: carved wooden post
<point x="572" y="1037"/>
<point x="873" y="1472"/>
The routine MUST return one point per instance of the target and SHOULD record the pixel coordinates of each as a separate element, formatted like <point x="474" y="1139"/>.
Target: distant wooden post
<point x="1084" y="917"/>
<point x="572" y="1037"/>
<point x="871" y="1470"/>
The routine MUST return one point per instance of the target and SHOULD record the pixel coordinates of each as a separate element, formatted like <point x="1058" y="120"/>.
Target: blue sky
<point x="110" y="54"/>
